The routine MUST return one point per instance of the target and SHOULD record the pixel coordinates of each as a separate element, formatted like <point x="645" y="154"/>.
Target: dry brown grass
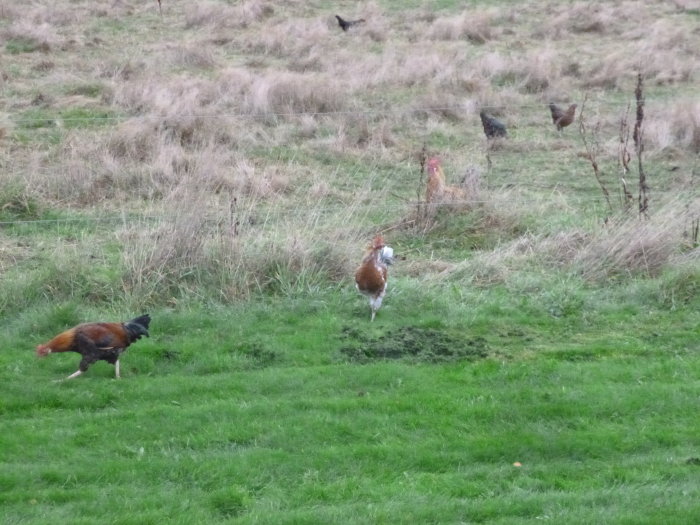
<point x="32" y="36"/>
<point x="268" y="108"/>
<point x="676" y="126"/>
<point x="219" y="16"/>
<point x="476" y="26"/>
<point x="630" y="246"/>
<point x="234" y="246"/>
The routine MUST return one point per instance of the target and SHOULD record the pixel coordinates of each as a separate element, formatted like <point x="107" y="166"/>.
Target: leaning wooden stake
<point x="624" y="158"/>
<point x="639" y="148"/>
<point x="421" y="209"/>
<point x="591" y="152"/>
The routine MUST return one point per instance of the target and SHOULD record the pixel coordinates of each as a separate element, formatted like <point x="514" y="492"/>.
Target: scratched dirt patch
<point x="411" y="344"/>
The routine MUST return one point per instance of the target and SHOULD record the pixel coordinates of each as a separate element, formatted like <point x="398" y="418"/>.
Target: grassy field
<point x="224" y="165"/>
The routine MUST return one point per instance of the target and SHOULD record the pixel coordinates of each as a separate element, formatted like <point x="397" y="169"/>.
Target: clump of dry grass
<point x="31" y="36"/>
<point x="282" y="92"/>
<point x="509" y="259"/>
<point x="629" y="246"/>
<point x="442" y="104"/>
<point x="675" y="126"/>
<point x="228" y="249"/>
<point x="366" y="132"/>
<point x="157" y="257"/>
<point x="540" y="69"/>
<point x="475" y="26"/>
<point x="560" y="21"/>
<point x="135" y="140"/>
<point x="192" y="56"/>
<point x="9" y="12"/>
<point x="295" y="38"/>
<point x="218" y="15"/>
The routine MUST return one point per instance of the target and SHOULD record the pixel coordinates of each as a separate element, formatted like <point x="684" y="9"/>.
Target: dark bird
<point x="347" y="24"/>
<point x="97" y="341"/>
<point x="560" y="117"/>
<point x="371" y="276"/>
<point x="492" y="128"/>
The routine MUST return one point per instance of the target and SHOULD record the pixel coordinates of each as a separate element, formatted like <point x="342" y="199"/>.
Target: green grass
<point x="16" y="46"/>
<point x="497" y="384"/>
<point x="254" y="413"/>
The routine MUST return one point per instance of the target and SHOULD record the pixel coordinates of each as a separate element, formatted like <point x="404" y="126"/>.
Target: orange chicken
<point x="438" y="190"/>
<point x="97" y="341"/>
<point x="371" y="276"/>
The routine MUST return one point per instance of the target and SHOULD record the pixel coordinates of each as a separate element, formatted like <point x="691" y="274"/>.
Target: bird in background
<point x="437" y="189"/>
<point x="97" y="341"/>
<point x="371" y="276"/>
<point x="562" y="118"/>
<point x="493" y="128"/>
<point x="347" y="24"/>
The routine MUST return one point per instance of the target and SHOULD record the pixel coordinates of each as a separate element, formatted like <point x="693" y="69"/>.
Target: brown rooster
<point x="438" y="190"/>
<point x="347" y="24"/>
<point x="562" y="118"/>
<point x="97" y="341"/>
<point x="371" y="276"/>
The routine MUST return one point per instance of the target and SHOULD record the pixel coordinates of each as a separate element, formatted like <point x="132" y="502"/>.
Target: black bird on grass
<point x="492" y="128"/>
<point x="347" y="24"/>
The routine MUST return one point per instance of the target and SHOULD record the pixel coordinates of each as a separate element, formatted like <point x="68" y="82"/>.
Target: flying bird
<point x="493" y="128"/>
<point x="562" y="118"/>
<point x="371" y="276"/>
<point x="347" y="24"/>
<point x="97" y="341"/>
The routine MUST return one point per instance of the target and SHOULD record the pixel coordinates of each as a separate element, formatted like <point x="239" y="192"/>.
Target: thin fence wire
<point x="287" y="114"/>
<point x="290" y="214"/>
<point x="578" y="198"/>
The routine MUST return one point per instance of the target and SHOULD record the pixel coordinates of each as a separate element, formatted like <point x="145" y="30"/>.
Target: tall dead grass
<point x="30" y="36"/>
<point x="629" y="246"/>
<point x="625" y="247"/>
<point x="232" y="249"/>
<point x="676" y="125"/>
<point x="219" y="16"/>
<point x="476" y="26"/>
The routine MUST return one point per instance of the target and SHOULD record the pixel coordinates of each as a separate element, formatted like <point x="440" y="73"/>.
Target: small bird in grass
<point x="562" y="118"/>
<point x="492" y="128"/>
<point x="97" y="341"/>
<point x="347" y="24"/>
<point x="371" y="276"/>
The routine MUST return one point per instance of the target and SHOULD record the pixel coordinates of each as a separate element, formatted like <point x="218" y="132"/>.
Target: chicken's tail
<point x="138" y="327"/>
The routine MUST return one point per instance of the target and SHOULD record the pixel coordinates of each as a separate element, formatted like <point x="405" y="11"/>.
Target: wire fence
<point x="467" y="108"/>
<point x="277" y="213"/>
<point x="584" y="194"/>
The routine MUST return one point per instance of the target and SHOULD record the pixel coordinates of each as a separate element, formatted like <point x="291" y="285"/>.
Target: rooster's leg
<point x="116" y="369"/>
<point x="74" y="374"/>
